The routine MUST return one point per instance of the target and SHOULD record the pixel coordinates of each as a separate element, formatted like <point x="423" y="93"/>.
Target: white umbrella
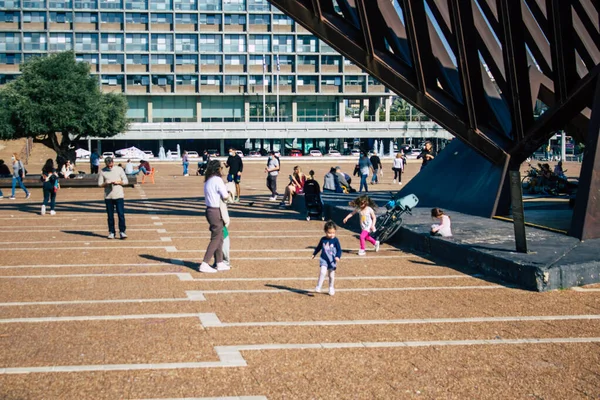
<point x="81" y="153"/>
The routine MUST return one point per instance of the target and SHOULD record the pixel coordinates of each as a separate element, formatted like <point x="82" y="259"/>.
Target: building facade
<point x="196" y="62"/>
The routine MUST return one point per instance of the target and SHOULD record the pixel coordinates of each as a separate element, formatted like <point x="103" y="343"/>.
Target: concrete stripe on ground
<point x="185" y="276"/>
<point x="231" y="356"/>
<point x="218" y="398"/>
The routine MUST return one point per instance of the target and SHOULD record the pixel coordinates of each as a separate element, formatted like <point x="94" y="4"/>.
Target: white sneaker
<point x="186" y="175"/>
<point x="43" y="212"/>
<point x="123" y="235"/>
<point x="223" y="267"/>
<point x="274" y="198"/>
<point x="331" y="291"/>
<point x="394" y="181"/>
<point x="400" y="183"/>
<point x="111" y="236"/>
<point x="204" y="267"/>
<point x="317" y="289"/>
<point x="376" y="246"/>
<point x="362" y="252"/>
<point x="52" y="212"/>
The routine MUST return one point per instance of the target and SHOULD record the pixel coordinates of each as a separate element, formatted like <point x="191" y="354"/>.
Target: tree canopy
<point x="56" y="101"/>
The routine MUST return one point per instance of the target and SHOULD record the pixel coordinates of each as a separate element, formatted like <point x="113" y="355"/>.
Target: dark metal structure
<point x="477" y="67"/>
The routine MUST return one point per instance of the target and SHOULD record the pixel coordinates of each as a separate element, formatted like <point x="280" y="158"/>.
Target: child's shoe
<point x="362" y="252"/>
<point x="331" y="291"/>
<point x="376" y="246"/>
<point x="394" y="181"/>
<point x="318" y="289"/>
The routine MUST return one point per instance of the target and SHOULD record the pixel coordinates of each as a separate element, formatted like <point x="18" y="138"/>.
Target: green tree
<point x="57" y="102"/>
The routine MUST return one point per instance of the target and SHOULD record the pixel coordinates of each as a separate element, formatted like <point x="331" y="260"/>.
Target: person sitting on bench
<point x="143" y="167"/>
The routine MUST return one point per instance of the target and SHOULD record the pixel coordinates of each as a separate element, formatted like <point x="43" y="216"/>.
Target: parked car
<point x="193" y="154"/>
<point x="213" y="153"/>
<point x="239" y="153"/>
<point x="254" y="153"/>
<point x="334" y="153"/>
<point x="355" y="152"/>
<point x="295" y="153"/>
<point x="108" y="154"/>
<point x="413" y="154"/>
<point x="316" y="153"/>
<point x="148" y="153"/>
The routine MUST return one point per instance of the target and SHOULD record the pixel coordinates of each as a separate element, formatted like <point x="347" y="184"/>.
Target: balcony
<point x="185" y="69"/>
<point x="112" y="68"/>
<point x="136" y="27"/>
<point x="285" y="89"/>
<point x="307" y="89"/>
<point x="34" y="26"/>
<point x="9" y="26"/>
<point x="112" y="26"/>
<point x="330" y="89"/>
<point x="235" y="68"/>
<point x="258" y="89"/>
<point x="234" y="28"/>
<point x="210" y="68"/>
<point x="85" y="26"/>
<point x="137" y="89"/>
<point x="352" y="69"/>
<point x="131" y="68"/>
<point x="185" y="27"/>
<point x="354" y="89"/>
<point x="255" y="69"/>
<point x="303" y="68"/>
<point x="300" y="29"/>
<point x="376" y="89"/>
<point x="209" y="27"/>
<point x="241" y="89"/>
<point x="282" y="28"/>
<point x="9" y="67"/>
<point x="162" y="88"/>
<point x="161" y="27"/>
<point x="112" y="88"/>
<point x="210" y="89"/>
<point x="186" y="88"/>
<point x="258" y="28"/>
<point x="60" y="26"/>
<point x="285" y="69"/>
<point x="161" y="68"/>
<point x="330" y="68"/>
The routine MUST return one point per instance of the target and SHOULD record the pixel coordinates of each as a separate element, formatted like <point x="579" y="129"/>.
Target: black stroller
<point x="312" y="199"/>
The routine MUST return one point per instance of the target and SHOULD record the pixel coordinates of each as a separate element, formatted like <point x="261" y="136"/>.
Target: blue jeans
<point x="185" y="168"/>
<point x="14" y="186"/>
<point x="363" y="183"/>
<point x="49" y="195"/>
<point x="142" y="169"/>
<point x="374" y="178"/>
<point x="110" y="211"/>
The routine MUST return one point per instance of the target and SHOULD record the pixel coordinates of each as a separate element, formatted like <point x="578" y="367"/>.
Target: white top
<point x="214" y="191"/>
<point x="129" y="168"/>
<point x="444" y="228"/>
<point x="399" y="163"/>
<point x="365" y="218"/>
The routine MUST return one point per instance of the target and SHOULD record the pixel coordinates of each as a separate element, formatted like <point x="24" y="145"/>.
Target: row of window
<point x="143" y="18"/>
<point x="10" y="41"/>
<point x="202" y="5"/>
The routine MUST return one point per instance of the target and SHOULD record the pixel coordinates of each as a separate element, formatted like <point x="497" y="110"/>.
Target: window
<point x="259" y="43"/>
<point x="136" y="4"/>
<point x="260" y="19"/>
<point x="138" y="80"/>
<point x="354" y="80"/>
<point x="138" y="59"/>
<point x="306" y="44"/>
<point x="210" y="59"/>
<point x="331" y="60"/>
<point x="258" y="5"/>
<point x="186" y="59"/>
<point x="61" y="17"/>
<point x="160" y="5"/>
<point x="34" y="4"/>
<point x="111" y="42"/>
<point x="111" y="4"/>
<point x="286" y="80"/>
<point x="186" y="80"/>
<point x="34" y="16"/>
<point x="186" y="5"/>
<point x="307" y="60"/>
<point x="279" y="19"/>
<point x="235" y="60"/>
<point x="63" y="4"/>
<point x="86" y="18"/>
<point x="372" y="81"/>
<point x="112" y="80"/>
<point x="190" y="19"/>
<point x="134" y="18"/>
<point x="325" y="48"/>
<point x="86" y="42"/>
<point x="31" y="41"/>
<point x="283" y="44"/>
<point x="210" y="80"/>
<point x="111" y="18"/>
<point x="161" y="18"/>
<point x="136" y="42"/>
<point x="258" y="60"/>
<point x="307" y="80"/>
<point x="235" y="19"/>
<point x="112" y="59"/>
<point x="210" y="5"/>
<point x="60" y="41"/>
<point x="257" y="80"/>
<point x="91" y="59"/>
<point x="186" y="43"/>
<point x="234" y="43"/>
<point x="331" y="80"/>
<point x="161" y="59"/>
<point x="162" y="80"/>
<point x="234" y="5"/>
<point x="86" y="4"/>
<point x="235" y="80"/>
<point x="9" y="16"/>
<point x="210" y="19"/>
<point x="210" y="43"/>
<point x="10" y="59"/>
<point x="10" y="4"/>
<point x="162" y="42"/>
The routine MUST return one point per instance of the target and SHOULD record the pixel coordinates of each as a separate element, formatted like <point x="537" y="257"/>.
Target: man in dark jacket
<point x="236" y="167"/>
<point x="427" y="154"/>
<point x="376" y="162"/>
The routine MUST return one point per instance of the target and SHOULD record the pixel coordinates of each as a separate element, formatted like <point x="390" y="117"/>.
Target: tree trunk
<point x="64" y="150"/>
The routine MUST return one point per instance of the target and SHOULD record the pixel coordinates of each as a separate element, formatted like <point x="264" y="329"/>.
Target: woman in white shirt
<point x="398" y="168"/>
<point x="214" y="191"/>
<point x="67" y="170"/>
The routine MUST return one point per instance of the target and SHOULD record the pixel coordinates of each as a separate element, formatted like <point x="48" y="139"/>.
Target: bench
<point x="81" y="180"/>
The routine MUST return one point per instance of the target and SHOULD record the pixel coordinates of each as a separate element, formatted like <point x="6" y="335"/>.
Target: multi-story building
<point x="218" y="72"/>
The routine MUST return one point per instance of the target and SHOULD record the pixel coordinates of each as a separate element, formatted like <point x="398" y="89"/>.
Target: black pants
<point x="398" y="174"/>
<point x="110" y="212"/>
<point x="272" y="184"/>
<point x="93" y="169"/>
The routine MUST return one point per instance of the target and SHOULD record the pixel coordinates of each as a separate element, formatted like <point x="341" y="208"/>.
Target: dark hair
<point x="436" y="212"/>
<point x="356" y="203"/>
<point x="48" y="167"/>
<point x="213" y="168"/>
<point x="332" y="170"/>
<point x="329" y="225"/>
<point x="311" y="173"/>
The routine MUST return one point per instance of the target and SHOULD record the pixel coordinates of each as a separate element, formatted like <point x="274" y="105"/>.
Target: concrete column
<point x="388" y="108"/>
<point x="89" y="144"/>
<point x="294" y="110"/>
<point x="246" y="110"/>
<point x="198" y="110"/>
<point x="341" y="109"/>
<point x="222" y="146"/>
<point x="563" y="146"/>
<point x="99" y="147"/>
<point x="149" y="112"/>
<point x="374" y="109"/>
<point x="361" y="110"/>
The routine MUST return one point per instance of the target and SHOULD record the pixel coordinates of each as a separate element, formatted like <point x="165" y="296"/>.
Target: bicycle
<point x="389" y="223"/>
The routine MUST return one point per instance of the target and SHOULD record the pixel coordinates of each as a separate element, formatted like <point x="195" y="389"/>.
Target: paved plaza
<point x="83" y="317"/>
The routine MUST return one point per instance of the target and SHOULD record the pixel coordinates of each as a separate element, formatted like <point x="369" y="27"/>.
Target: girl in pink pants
<point x="363" y="205"/>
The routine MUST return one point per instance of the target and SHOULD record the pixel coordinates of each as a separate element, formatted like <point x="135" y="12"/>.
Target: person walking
<point x="94" y="162"/>
<point x="236" y="167"/>
<point x="398" y="168"/>
<point x="376" y="163"/>
<point x="18" y="174"/>
<point x="272" y="170"/>
<point x="214" y="192"/>
<point x="363" y="205"/>
<point x="331" y="252"/>
<point x="112" y="178"/>
<point x="427" y="154"/>
<point x="185" y="162"/>
<point x="364" y="167"/>
<point x="50" y="186"/>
